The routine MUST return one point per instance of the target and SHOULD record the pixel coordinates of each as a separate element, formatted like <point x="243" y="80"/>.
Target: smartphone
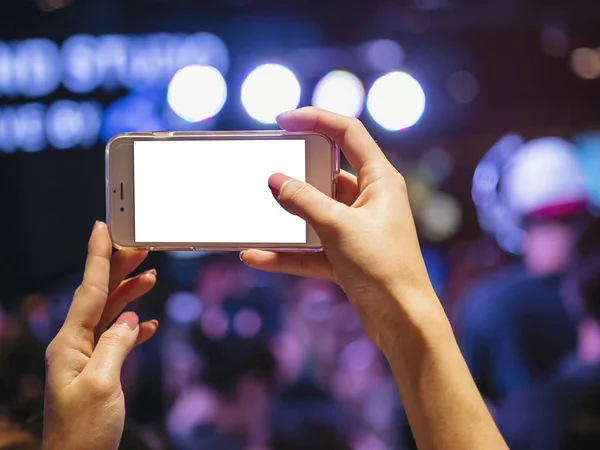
<point x="209" y="190"/>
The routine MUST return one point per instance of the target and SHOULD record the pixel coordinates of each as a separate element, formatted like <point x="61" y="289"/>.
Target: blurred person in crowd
<point x="471" y="260"/>
<point x="14" y="437"/>
<point x="306" y="345"/>
<point x="513" y="327"/>
<point x="191" y="323"/>
<point x="219" y="277"/>
<point x="21" y="366"/>
<point x="563" y="412"/>
<point x="306" y="402"/>
<point x="305" y="350"/>
<point x="240" y="373"/>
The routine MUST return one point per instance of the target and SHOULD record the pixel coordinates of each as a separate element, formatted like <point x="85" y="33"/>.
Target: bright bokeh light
<point x="197" y="93"/>
<point x="247" y="323"/>
<point x="340" y="92"/>
<point x="396" y="101"/>
<point x="585" y="62"/>
<point x="441" y="217"/>
<point x="268" y="91"/>
<point x="183" y="307"/>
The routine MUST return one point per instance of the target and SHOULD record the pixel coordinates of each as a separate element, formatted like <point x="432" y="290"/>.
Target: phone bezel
<point x="322" y="170"/>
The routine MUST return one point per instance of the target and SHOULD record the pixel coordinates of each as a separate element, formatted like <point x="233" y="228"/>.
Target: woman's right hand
<point x="369" y="238"/>
<point x="371" y="250"/>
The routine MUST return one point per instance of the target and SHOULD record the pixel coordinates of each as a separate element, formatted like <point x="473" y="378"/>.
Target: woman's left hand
<point x="84" y="404"/>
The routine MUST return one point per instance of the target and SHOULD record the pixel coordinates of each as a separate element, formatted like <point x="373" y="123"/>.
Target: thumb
<point x="304" y="201"/>
<point x="114" y="345"/>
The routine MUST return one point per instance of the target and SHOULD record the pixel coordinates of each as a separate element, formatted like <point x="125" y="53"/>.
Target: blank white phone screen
<point x="201" y="191"/>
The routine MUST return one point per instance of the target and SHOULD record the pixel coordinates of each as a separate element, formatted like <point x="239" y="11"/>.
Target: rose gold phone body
<point x="322" y="168"/>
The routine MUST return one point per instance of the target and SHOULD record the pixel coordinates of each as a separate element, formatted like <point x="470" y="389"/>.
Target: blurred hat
<point x="544" y="179"/>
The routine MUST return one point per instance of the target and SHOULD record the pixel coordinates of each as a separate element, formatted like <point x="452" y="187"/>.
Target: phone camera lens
<point x="122" y="209"/>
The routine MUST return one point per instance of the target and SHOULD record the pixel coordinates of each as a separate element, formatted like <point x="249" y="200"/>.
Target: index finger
<point x="122" y="264"/>
<point x="90" y="297"/>
<point x="350" y="134"/>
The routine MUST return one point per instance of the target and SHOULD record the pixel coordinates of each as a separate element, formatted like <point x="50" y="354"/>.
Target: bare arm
<point x="444" y="407"/>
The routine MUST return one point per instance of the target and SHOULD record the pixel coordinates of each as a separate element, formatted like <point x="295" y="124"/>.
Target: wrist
<point x="418" y="324"/>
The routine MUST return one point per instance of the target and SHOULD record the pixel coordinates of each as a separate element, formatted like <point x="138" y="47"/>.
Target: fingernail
<point x="276" y="182"/>
<point x="130" y="319"/>
<point x="283" y="114"/>
<point x="242" y="256"/>
<point x="152" y="271"/>
<point x="154" y="322"/>
<point x="97" y="225"/>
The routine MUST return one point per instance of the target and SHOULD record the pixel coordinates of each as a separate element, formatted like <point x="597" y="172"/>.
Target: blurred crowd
<point x="249" y="360"/>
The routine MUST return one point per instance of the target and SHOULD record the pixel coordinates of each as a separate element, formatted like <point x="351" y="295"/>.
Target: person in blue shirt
<point x="563" y="412"/>
<point x="512" y="325"/>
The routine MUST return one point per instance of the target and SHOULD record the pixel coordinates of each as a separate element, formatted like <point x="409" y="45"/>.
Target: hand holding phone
<point x="84" y="403"/>
<point x="209" y="191"/>
<point x="372" y="251"/>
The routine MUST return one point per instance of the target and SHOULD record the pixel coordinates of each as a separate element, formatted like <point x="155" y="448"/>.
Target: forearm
<point x="444" y="407"/>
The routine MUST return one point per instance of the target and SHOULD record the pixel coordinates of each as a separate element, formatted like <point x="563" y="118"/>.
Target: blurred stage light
<point x="437" y="164"/>
<point x="187" y="255"/>
<point x="555" y="41"/>
<point x="463" y="87"/>
<point x="493" y="211"/>
<point x="420" y="187"/>
<point x="134" y="112"/>
<point x="308" y="62"/>
<point x="396" y="101"/>
<point x="340" y="92"/>
<point x="70" y="124"/>
<point x="53" y="5"/>
<point x="63" y="124"/>
<point x="358" y="356"/>
<point x="30" y="68"/>
<point x="112" y="61"/>
<point x="589" y="144"/>
<point x="23" y="127"/>
<point x="204" y="49"/>
<point x="253" y="278"/>
<point x="247" y="323"/>
<point x="382" y="55"/>
<point x="79" y="64"/>
<point x="183" y="307"/>
<point x="268" y="91"/>
<point x="437" y="268"/>
<point x="585" y="62"/>
<point x="441" y="217"/>
<point x="197" y="93"/>
<point x="214" y="323"/>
